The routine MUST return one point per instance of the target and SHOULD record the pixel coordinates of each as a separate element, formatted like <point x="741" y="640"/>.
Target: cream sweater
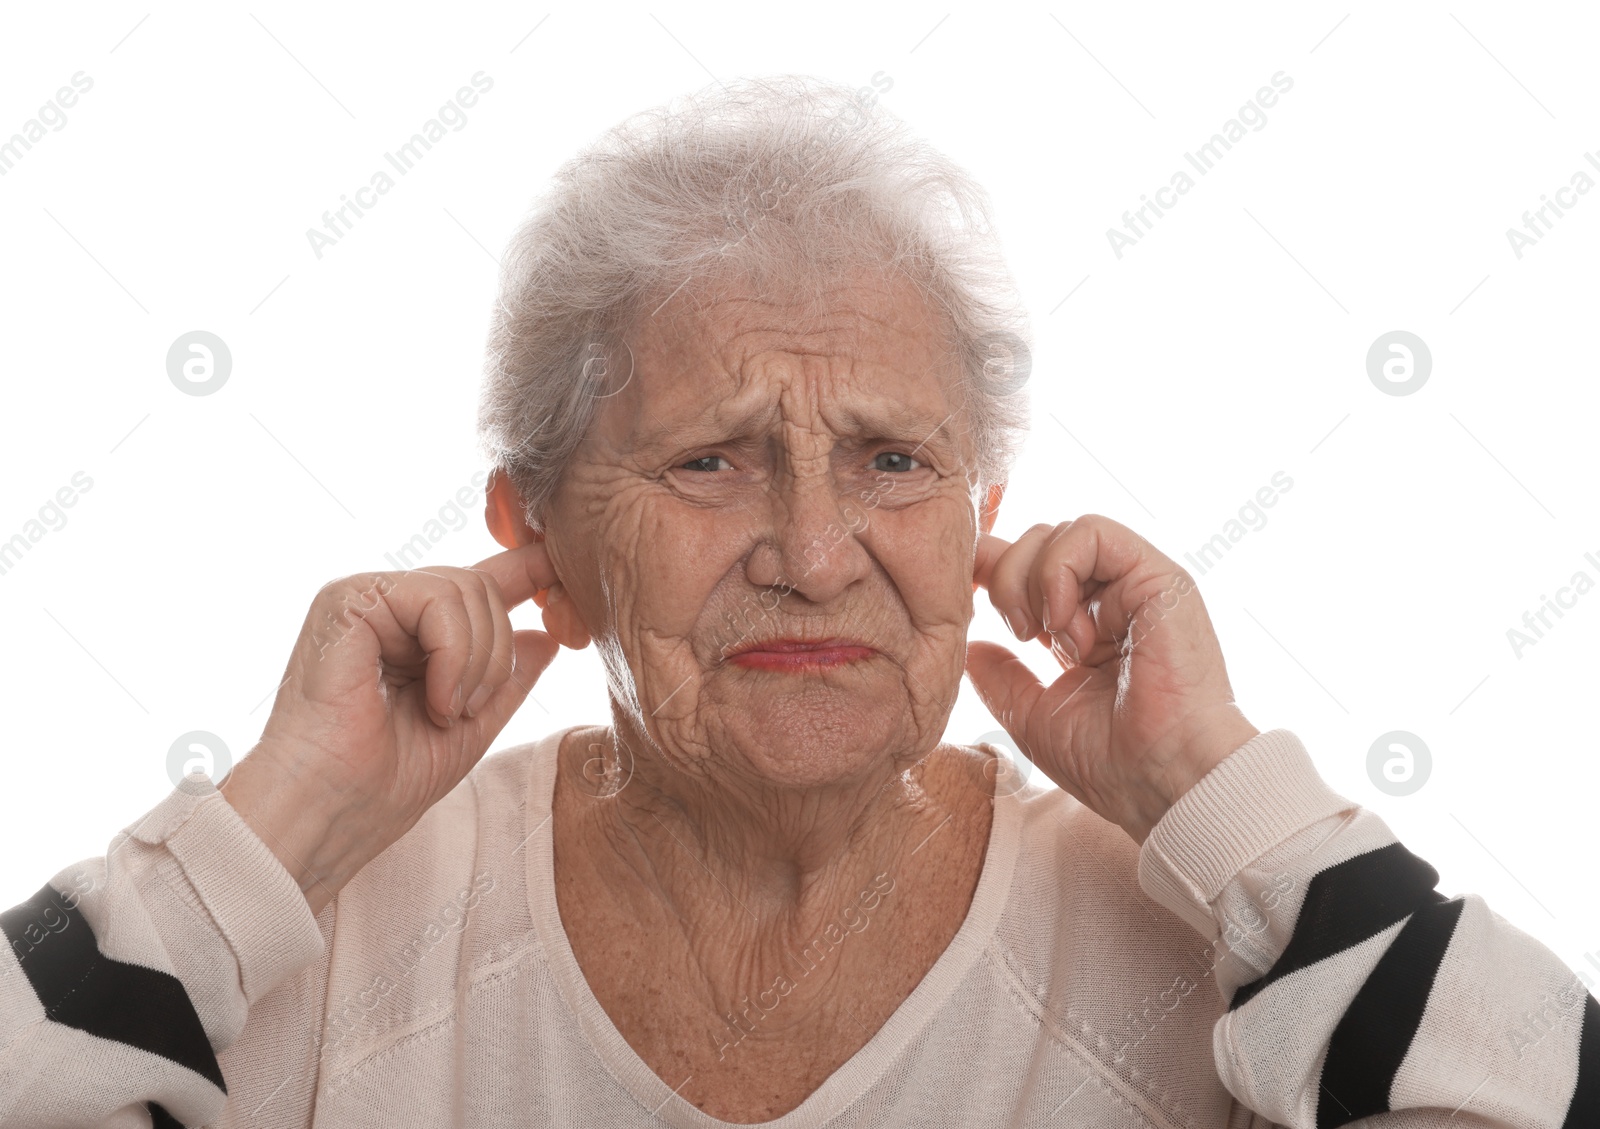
<point x="1271" y="948"/>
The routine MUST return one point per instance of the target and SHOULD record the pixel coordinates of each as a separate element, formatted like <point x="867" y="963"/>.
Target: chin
<point x="817" y="737"/>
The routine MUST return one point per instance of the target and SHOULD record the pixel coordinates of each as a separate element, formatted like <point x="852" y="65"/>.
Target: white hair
<point x="789" y="178"/>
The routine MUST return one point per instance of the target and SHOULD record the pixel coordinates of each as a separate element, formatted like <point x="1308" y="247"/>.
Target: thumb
<point x="533" y="651"/>
<point x="1007" y="688"/>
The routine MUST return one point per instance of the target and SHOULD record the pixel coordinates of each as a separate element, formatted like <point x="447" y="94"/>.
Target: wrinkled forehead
<point x="865" y="358"/>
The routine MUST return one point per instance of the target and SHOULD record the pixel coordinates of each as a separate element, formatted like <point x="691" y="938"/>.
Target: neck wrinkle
<point x="769" y="862"/>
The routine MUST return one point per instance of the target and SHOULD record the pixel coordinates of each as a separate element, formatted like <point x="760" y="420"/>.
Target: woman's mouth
<point x="800" y="654"/>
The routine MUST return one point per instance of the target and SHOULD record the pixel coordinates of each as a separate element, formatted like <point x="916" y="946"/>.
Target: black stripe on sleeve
<point x="83" y="988"/>
<point x="1584" y="1109"/>
<point x="161" y="1119"/>
<point x="1348" y="903"/>
<point x="1376" y="1030"/>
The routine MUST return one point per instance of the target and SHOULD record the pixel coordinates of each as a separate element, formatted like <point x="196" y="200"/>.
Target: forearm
<point x="126" y="974"/>
<point x="1354" y="988"/>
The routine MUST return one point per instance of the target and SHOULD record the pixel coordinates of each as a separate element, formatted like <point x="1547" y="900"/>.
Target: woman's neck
<point x="754" y="959"/>
<point x="723" y="852"/>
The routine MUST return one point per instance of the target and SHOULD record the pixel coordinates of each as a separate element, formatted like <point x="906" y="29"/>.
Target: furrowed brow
<point x="884" y="420"/>
<point x="899" y="421"/>
<point x="711" y="426"/>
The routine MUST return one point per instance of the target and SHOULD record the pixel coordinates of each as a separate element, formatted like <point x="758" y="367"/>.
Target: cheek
<point x="926" y="550"/>
<point x="665" y="560"/>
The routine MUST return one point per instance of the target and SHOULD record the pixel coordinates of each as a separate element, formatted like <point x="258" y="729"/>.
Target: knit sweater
<point x="1270" y="956"/>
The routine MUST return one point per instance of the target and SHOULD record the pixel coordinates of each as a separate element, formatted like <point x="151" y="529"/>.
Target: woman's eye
<point x="700" y="463"/>
<point x="903" y="461"/>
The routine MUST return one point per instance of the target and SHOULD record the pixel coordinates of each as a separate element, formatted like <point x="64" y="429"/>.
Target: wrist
<point x="321" y="848"/>
<point x="1203" y="744"/>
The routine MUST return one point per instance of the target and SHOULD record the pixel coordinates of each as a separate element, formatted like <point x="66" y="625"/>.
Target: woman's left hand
<point x="1143" y="708"/>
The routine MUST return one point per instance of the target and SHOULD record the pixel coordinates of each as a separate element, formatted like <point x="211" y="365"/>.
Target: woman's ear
<point x="503" y="511"/>
<point x="991" y="510"/>
<point x="991" y="507"/>
<point x="561" y="619"/>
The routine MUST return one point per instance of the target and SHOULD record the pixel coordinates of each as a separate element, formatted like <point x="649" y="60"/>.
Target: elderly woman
<point x="750" y="432"/>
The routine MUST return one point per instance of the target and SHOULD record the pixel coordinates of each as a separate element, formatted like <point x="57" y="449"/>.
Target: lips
<point x="799" y="654"/>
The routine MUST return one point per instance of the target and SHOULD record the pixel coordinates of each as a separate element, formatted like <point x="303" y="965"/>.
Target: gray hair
<point x="787" y="178"/>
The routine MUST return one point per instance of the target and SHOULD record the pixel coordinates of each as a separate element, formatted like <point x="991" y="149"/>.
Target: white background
<point x="1229" y="344"/>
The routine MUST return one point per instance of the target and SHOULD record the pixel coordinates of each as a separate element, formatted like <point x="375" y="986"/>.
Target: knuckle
<point x="343" y="587"/>
<point x="492" y="587"/>
<point x="432" y="575"/>
<point x="486" y="585"/>
<point x="454" y="607"/>
<point x="472" y="583"/>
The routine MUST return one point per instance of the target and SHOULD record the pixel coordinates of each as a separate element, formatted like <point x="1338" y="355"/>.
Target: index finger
<point x="520" y="572"/>
<point x="990" y="548"/>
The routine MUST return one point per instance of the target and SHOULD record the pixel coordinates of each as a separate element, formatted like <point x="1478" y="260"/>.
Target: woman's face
<point x="759" y="476"/>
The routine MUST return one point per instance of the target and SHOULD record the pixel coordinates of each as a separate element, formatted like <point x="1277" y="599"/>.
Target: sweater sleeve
<point x="1355" y="992"/>
<point x="126" y="975"/>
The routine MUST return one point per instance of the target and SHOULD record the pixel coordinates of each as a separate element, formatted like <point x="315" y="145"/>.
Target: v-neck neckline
<point x="857" y="1074"/>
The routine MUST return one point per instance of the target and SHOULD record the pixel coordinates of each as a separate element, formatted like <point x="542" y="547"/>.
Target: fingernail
<point x="1017" y="622"/>
<point x="1046" y="621"/>
<point x="475" y="703"/>
<point x="1069" y="647"/>
<point x="455" y="702"/>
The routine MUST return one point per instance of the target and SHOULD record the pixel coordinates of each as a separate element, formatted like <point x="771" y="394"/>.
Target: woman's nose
<point x="815" y="530"/>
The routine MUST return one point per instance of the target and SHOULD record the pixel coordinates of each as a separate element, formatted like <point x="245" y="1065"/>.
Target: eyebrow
<point x="704" y="428"/>
<point x="896" y="418"/>
<point x="885" y="420"/>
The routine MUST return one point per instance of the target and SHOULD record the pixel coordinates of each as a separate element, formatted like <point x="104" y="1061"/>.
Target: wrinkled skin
<point x="763" y="474"/>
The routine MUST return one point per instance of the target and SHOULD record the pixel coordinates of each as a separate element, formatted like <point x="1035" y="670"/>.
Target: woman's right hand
<point x="397" y="685"/>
